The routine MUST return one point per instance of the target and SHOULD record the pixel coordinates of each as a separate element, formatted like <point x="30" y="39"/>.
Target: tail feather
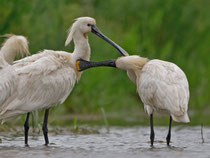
<point x="9" y="114"/>
<point x="183" y="118"/>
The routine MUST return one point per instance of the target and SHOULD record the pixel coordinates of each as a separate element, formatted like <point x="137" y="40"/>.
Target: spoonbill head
<point x="82" y="26"/>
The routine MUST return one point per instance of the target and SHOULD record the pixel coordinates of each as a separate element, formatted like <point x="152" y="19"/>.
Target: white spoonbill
<point x="162" y="86"/>
<point x="13" y="46"/>
<point x="47" y="78"/>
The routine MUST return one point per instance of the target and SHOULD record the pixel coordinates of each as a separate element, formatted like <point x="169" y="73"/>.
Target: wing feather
<point x="44" y="81"/>
<point x="8" y="77"/>
<point x="164" y="87"/>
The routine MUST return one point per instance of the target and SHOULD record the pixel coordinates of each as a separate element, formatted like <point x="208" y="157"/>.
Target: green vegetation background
<point x="171" y="30"/>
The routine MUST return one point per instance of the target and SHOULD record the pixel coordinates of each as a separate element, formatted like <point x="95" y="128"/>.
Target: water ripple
<point x="120" y="142"/>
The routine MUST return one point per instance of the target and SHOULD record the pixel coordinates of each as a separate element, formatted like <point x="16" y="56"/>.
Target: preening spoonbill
<point x="13" y="46"/>
<point x="162" y="86"/>
<point x="47" y="78"/>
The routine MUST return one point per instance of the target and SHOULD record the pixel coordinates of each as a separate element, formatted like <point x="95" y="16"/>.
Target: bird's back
<point x="45" y="79"/>
<point x="163" y="87"/>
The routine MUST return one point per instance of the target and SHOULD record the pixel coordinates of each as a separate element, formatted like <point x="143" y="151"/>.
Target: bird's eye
<point x="88" y="24"/>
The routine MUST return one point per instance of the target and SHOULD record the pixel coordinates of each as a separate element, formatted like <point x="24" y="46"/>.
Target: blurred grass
<point x="176" y="31"/>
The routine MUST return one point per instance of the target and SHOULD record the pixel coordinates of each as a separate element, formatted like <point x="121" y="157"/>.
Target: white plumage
<point x="12" y="47"/>
<point x="8" y="80"/>
<point x="163" y="88"/>
<point x="47" y="78"/>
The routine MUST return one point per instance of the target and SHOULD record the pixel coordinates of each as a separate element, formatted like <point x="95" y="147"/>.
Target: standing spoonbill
<point x="13" y="46"/>
<point x="162" y="86"/>
<point x="47" y="78"/>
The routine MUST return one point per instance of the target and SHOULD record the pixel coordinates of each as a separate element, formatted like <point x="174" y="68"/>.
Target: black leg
<point x="168" y="138"/>
<point x="152" y="134"/>
<point x="44" y="127"/>
<point x="26" y="127"/>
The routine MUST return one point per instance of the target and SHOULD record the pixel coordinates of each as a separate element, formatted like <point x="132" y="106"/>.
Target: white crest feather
<point x="13" y="46"/>
<point x="70" y="31"/>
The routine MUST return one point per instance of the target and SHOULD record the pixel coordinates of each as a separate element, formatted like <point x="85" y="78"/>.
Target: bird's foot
<point x="26" y="145"/>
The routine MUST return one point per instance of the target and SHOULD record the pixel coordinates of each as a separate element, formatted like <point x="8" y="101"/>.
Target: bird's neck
<point x="81" y="47"/>
<point x="133" y="65"/>
<point x="81" y="50"/>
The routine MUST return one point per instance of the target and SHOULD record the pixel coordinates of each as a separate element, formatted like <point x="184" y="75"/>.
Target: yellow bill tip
<point x="77" y="65"/>
<point x="127" y="54"/>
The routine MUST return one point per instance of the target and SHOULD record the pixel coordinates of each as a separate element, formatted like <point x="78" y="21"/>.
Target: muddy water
<point x="119" y="142"/>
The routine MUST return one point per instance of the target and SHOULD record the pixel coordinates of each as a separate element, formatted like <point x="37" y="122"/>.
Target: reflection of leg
<point x="44" y="127"/>
<point x="26" y="127"/>
<point x="168" y="138"/>
<point x="152" y="134"/>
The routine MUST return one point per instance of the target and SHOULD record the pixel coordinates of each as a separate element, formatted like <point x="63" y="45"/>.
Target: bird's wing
<point x="8" y="78"/>
<point x="42" y="83"/>
<point x="164" y="86"/>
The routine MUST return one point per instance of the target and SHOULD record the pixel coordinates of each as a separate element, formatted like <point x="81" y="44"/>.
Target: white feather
<point x="70" y="31"/>
<point x="79" y="27"/>
<point x="13" y="46"/>
<point x="8" y="78"/>
<point x="163" y="87"/>
<point x="47" y="78"/>
<point x="43" y="82"/>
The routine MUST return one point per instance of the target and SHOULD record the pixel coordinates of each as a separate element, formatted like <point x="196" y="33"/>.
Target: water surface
<point x="120" y="142"/>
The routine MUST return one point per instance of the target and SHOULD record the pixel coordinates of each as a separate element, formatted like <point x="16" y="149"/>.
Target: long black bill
<point x="83" y="64"/>
<point x="96" y="31"/>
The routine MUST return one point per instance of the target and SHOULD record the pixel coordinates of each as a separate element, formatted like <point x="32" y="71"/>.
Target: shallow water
<point x="119" y="142"/>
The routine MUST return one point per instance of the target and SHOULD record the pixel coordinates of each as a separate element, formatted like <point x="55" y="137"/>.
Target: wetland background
<point x="176" y="31"/>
